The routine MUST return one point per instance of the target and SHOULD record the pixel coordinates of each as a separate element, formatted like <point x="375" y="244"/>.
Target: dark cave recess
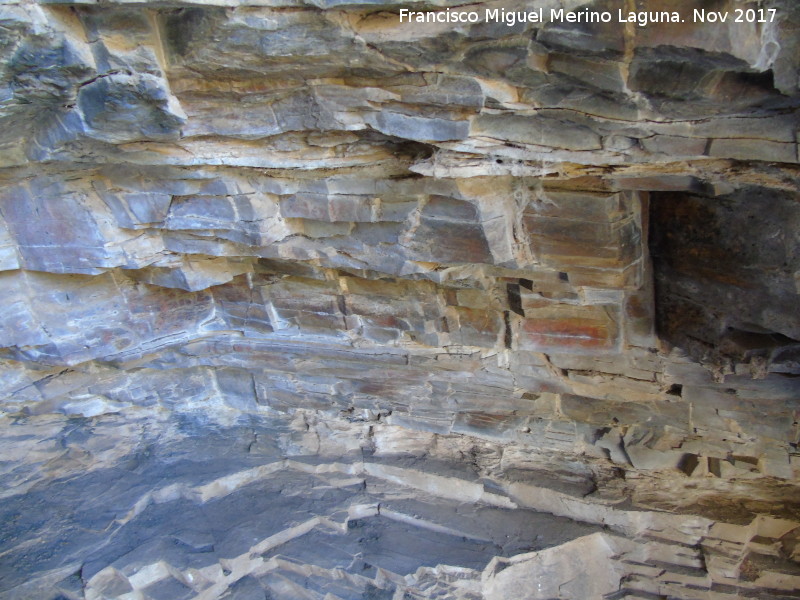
<point x="726" y="273"/>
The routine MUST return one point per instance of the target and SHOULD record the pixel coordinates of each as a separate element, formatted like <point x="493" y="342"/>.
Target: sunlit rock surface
<point x="299" y="302"/>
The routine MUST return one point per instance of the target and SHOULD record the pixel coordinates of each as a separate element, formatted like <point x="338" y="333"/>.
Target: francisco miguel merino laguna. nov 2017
<point x="640" y="18"/>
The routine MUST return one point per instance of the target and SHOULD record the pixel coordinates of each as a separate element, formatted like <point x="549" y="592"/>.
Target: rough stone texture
<point x="299" y="302"/>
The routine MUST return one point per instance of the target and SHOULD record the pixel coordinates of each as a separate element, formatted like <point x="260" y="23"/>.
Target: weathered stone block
<point x="753" y="149"/>
<point x="473" y="327"/>
<point x="423" y="129"/>
<point x="591" y="207"/>
<point x="437" y="240"/>
<point x="540" y="131"/>
<point x="673" y="145"/>
<point x="500" y="426"/>
<point x="566" y="328"/>
<point x="122" y="108"/>
<point x="593" y="71"/>
<point x="194" y="275"/>
<point x="560" y="242"/>
<point x="450" y="209"/>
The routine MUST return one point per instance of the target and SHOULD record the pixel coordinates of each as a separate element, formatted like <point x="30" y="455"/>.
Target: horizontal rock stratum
<point x="308" y="300"/>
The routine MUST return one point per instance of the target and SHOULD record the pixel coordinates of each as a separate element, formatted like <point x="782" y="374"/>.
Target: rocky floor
<point x="193" y="510"/>
<point x="299" y="302"/>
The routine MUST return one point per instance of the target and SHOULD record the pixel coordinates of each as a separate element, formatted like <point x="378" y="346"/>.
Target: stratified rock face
<point x="302" y="302"/>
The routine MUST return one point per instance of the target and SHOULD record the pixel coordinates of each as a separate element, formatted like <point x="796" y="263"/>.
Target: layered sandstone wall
<point x="303" y="301"/>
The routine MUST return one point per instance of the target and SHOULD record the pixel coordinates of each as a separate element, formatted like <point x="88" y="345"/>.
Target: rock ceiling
<point x="300" y="302"/>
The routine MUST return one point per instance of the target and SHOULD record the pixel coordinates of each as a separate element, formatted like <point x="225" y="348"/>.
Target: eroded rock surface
<point x="302" y="302"/>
